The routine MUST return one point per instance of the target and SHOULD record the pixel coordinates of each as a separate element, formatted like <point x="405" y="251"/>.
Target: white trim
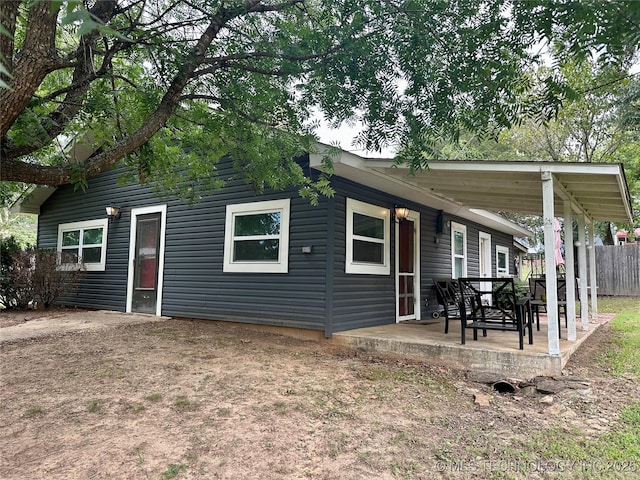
<point x="282" y="264"/>
<point x="355" y="206"/>
<point x="415" y="218"/>
<point x="527" y="167"/>
<point x="488" y="271"/>
<point x="458" y="227"/>
<point x="502" y="249"/>
<point x="470" y="184"/>
<point x="485" y="254"/>
<point x="86" y="225"/>
<point x="162" y="209"/>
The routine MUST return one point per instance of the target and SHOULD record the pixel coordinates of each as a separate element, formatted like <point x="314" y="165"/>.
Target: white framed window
<point x="368" y="248"/>
<point x="256" y="237"/>
<point x="83" y="242"/>
<point x="458" y="250"/>
<point x="502" y="261"/>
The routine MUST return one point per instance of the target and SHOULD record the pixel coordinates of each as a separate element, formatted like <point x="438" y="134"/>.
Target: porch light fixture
<point x="400" y="213"/>
<point x="113" y="213"/>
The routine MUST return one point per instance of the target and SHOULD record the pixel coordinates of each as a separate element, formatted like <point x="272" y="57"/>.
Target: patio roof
<point x="461" y="187"/>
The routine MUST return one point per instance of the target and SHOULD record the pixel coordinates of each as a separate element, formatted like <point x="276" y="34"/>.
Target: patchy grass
<point x="240" y="403"/>
<point x="95" y="406"/>
<point x="618" y="304"/>
<point x="183" y="402"/>
<point x="173" y="470"/>
<point x="33" y="411"/>
<point x="154" y="397"/>
<point x="623" y="357"/>
<point x="615" y="453"/>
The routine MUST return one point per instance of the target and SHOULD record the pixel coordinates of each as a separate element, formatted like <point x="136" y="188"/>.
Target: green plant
<point x="50" y="281"/>
<point x="33" y="411"/>
<point x="16" y="289"/>
<point x="182" y="402"/>
<point x="130" y="406"/>
<point x="34" y="275"/>
<point x="173" y="470"/>
<point x="624" y="356"/>
<point x="95" y="406"/>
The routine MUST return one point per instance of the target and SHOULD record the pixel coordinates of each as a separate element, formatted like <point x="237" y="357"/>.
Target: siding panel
<point x="194" y="284"/>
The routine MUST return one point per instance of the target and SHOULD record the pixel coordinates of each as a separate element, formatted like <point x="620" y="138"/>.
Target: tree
<point x="166" y="87"/>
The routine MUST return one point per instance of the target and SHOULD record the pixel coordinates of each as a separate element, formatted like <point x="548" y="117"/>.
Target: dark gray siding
<point x="315" y="294"/>
<point x="436" y="257"/>
<point x="194" y="284"/>
<point x="359" y="300"/>
<point x="107" y="289"/>
<point x="369" y="300"/>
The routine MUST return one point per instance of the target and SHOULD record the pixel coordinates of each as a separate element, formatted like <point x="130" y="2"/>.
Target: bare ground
<point x="196" y="399"/>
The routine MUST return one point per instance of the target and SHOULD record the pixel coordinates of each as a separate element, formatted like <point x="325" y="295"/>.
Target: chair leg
<point x="520" y="336"/>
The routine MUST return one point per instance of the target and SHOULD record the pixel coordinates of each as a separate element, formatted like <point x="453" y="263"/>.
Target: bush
<point x="50" y="281"/>
<point x="33" y="277"/>
<point x="15" y="278"/>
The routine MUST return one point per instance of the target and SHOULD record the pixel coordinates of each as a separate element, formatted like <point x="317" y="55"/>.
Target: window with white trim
<point x="368" y="249"/>
<point x="458" y="250"/>
<point x="256" y="237"/>
<point x="502" y="261"/>
<point x="83" y="243"/>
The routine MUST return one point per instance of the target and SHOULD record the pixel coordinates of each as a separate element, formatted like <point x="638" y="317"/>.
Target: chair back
<point x="538" y="288"/>
<point x="503" y="294"/>
<point x="448" y="295"/>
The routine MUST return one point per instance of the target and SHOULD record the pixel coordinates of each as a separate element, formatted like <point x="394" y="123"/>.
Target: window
<point x="502" y="261"/>
<point x="368" y="248"/>
<point x="458" y="250"/>
<point x="257" y="237"/>
<point x="83" y="242"/>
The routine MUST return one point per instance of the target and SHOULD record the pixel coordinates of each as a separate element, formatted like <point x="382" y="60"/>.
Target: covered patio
<point x="578" y="192"/>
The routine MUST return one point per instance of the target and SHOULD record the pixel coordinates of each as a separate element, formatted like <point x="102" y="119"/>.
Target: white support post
<point x="570" y="273"/>
<point x="550" y="264"/>
<point x="592" y="273"/>
<point x="582" y="271"/>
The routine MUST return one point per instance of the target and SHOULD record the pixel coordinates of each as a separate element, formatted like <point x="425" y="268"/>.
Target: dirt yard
<point x="205" y="400"/>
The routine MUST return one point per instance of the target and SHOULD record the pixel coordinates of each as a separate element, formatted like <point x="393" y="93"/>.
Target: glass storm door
<point x="406" y="270"/>
<point x="145" y="277"/>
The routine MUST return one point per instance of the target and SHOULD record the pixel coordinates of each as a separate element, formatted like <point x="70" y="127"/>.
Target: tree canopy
<point x="168" y="87"/>
<point x="600" y="124"/>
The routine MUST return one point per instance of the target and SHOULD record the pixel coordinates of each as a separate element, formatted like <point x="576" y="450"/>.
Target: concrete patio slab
<point x="497" y="352"/>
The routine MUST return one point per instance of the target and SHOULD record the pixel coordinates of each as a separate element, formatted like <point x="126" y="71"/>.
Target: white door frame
<point x="135" y="212"/>
<point x="415" y="218"/>
<point x="484" y="260"/>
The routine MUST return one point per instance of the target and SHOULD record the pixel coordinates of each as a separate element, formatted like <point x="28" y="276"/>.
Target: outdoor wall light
<point x="400" y="213"/>
<point x="113" y="212"/>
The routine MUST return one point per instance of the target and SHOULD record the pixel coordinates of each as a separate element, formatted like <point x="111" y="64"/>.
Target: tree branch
<point x="37" y="59"/>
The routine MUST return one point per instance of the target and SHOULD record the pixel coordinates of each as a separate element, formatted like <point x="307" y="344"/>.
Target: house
<point x="349" y="262"/>
<point x="271" y="258"/>
<point x="622" y="237"/>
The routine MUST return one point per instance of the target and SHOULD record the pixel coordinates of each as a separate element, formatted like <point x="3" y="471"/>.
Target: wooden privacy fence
<point x="618" y="270"/>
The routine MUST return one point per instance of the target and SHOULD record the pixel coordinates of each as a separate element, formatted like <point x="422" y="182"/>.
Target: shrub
<point x="15" y="265"/>
<point x="50" y="281"/>
<point x="34" y="276"/>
